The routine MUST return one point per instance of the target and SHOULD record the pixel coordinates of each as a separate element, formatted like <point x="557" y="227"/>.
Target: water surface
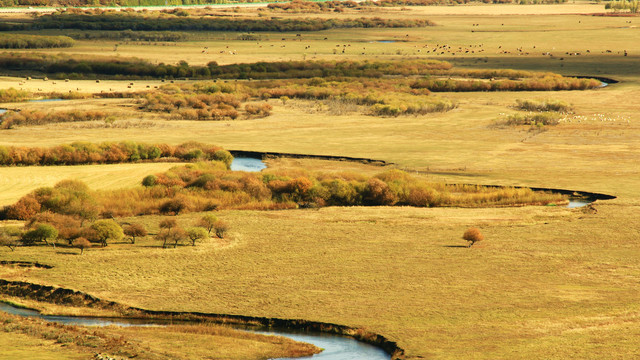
<point x="247" y="164"/>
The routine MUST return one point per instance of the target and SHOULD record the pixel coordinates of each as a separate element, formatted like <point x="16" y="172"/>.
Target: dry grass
<point x="19" y="346"/>
<point x="402" y="272"/>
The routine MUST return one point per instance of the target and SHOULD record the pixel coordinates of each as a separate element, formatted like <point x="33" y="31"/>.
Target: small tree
<point x="81" y="243"/>
<point x="7" y="240"/>
<point x="208" y="221"/>
<point x="178" y="234"/>
<point x="107" y="230"/>
<point x="473" y="235"/>
<point x="197" y="234"/>
<point x="135" y="230"/>
<point x="221" y="228"/>
<point x="168" y="224"/>
<point x="168" y="235"/>
<point x="42" y="232"/>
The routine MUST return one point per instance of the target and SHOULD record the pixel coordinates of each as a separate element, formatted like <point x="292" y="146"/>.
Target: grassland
<point x="548" y="282"/>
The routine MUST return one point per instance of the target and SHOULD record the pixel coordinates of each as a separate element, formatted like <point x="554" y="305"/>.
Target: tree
<point x="221" y="228"/>
<point x="81" y="243"/>
<point x="7" y="240"/>
<point x="42" y="232"/>
<point x="135" y="230"/>
<point x="107" y="230"/>
<point x="197" y="234"/>
<point x="168" y="224"/>
<point x="473" y="235"/>
<point x="178" y="234"/>
<point x="173" y="234"/>
<point x="208" y="221"/>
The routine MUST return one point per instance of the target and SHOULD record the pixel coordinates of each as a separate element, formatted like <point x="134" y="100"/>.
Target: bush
<point x="173" y="206"/>
<point x="149" y="180"/>
<point x="473" y="235"/>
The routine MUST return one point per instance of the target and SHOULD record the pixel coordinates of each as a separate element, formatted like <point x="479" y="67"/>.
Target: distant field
<point x="15" y="182"/>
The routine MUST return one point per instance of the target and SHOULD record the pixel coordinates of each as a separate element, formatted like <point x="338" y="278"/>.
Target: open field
<point x="17" y="181"/>
<point x="547" y="282"/>
<point x="544" y="282"/>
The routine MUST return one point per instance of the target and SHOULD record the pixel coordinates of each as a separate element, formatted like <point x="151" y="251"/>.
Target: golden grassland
<point x="19" y="346"/>
<point x="547" y="282"/>
<point x="14" y="181"/>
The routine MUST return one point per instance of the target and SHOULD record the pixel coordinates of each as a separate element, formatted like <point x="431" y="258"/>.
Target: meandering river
<point x="335" y="347"/>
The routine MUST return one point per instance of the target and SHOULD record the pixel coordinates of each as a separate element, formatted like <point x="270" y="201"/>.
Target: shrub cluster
<point x="536" y="119"/>
<point x="22" y="41"/>
<point x="109" y="153"/>
<point x="130" y="35"/>
<point x="217" y="106"/>
<point x="303" y="6"/>
<point x="550" y="83"/>
<point x="547" y="105"/>
<point x="14" y="95"/>
<point x="31" y="117"/>
<point x="408" y="107"/>
<point x="258" y="110"/>
<point x="208" y="186"/>
<point x="617" y="5"/>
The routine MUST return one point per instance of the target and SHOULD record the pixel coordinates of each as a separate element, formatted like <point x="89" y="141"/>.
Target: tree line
<point x="137" y="22"/>
<point x="22" y="41"/>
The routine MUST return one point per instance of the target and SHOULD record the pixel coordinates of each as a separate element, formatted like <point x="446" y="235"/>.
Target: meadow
<point x="546" y="281"/>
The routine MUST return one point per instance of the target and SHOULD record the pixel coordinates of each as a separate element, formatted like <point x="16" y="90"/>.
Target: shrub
<point x="173" y="206"/>
<point x="378" y="193"/>
<point x="149" y="180"/>
<point x="473" y="235"/>
<point x="258" y="110"/>
<point x="24" y="209"/>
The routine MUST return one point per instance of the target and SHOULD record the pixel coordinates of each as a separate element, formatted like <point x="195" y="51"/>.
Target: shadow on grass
<point x="68" y="252"/>
<point x="456" y="246"/>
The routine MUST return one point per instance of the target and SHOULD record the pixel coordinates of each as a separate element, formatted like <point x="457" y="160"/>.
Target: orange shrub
<point x="473" y="235"/>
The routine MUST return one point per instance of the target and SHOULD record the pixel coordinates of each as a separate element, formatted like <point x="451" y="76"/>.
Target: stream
<point x="335" y="347"/>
